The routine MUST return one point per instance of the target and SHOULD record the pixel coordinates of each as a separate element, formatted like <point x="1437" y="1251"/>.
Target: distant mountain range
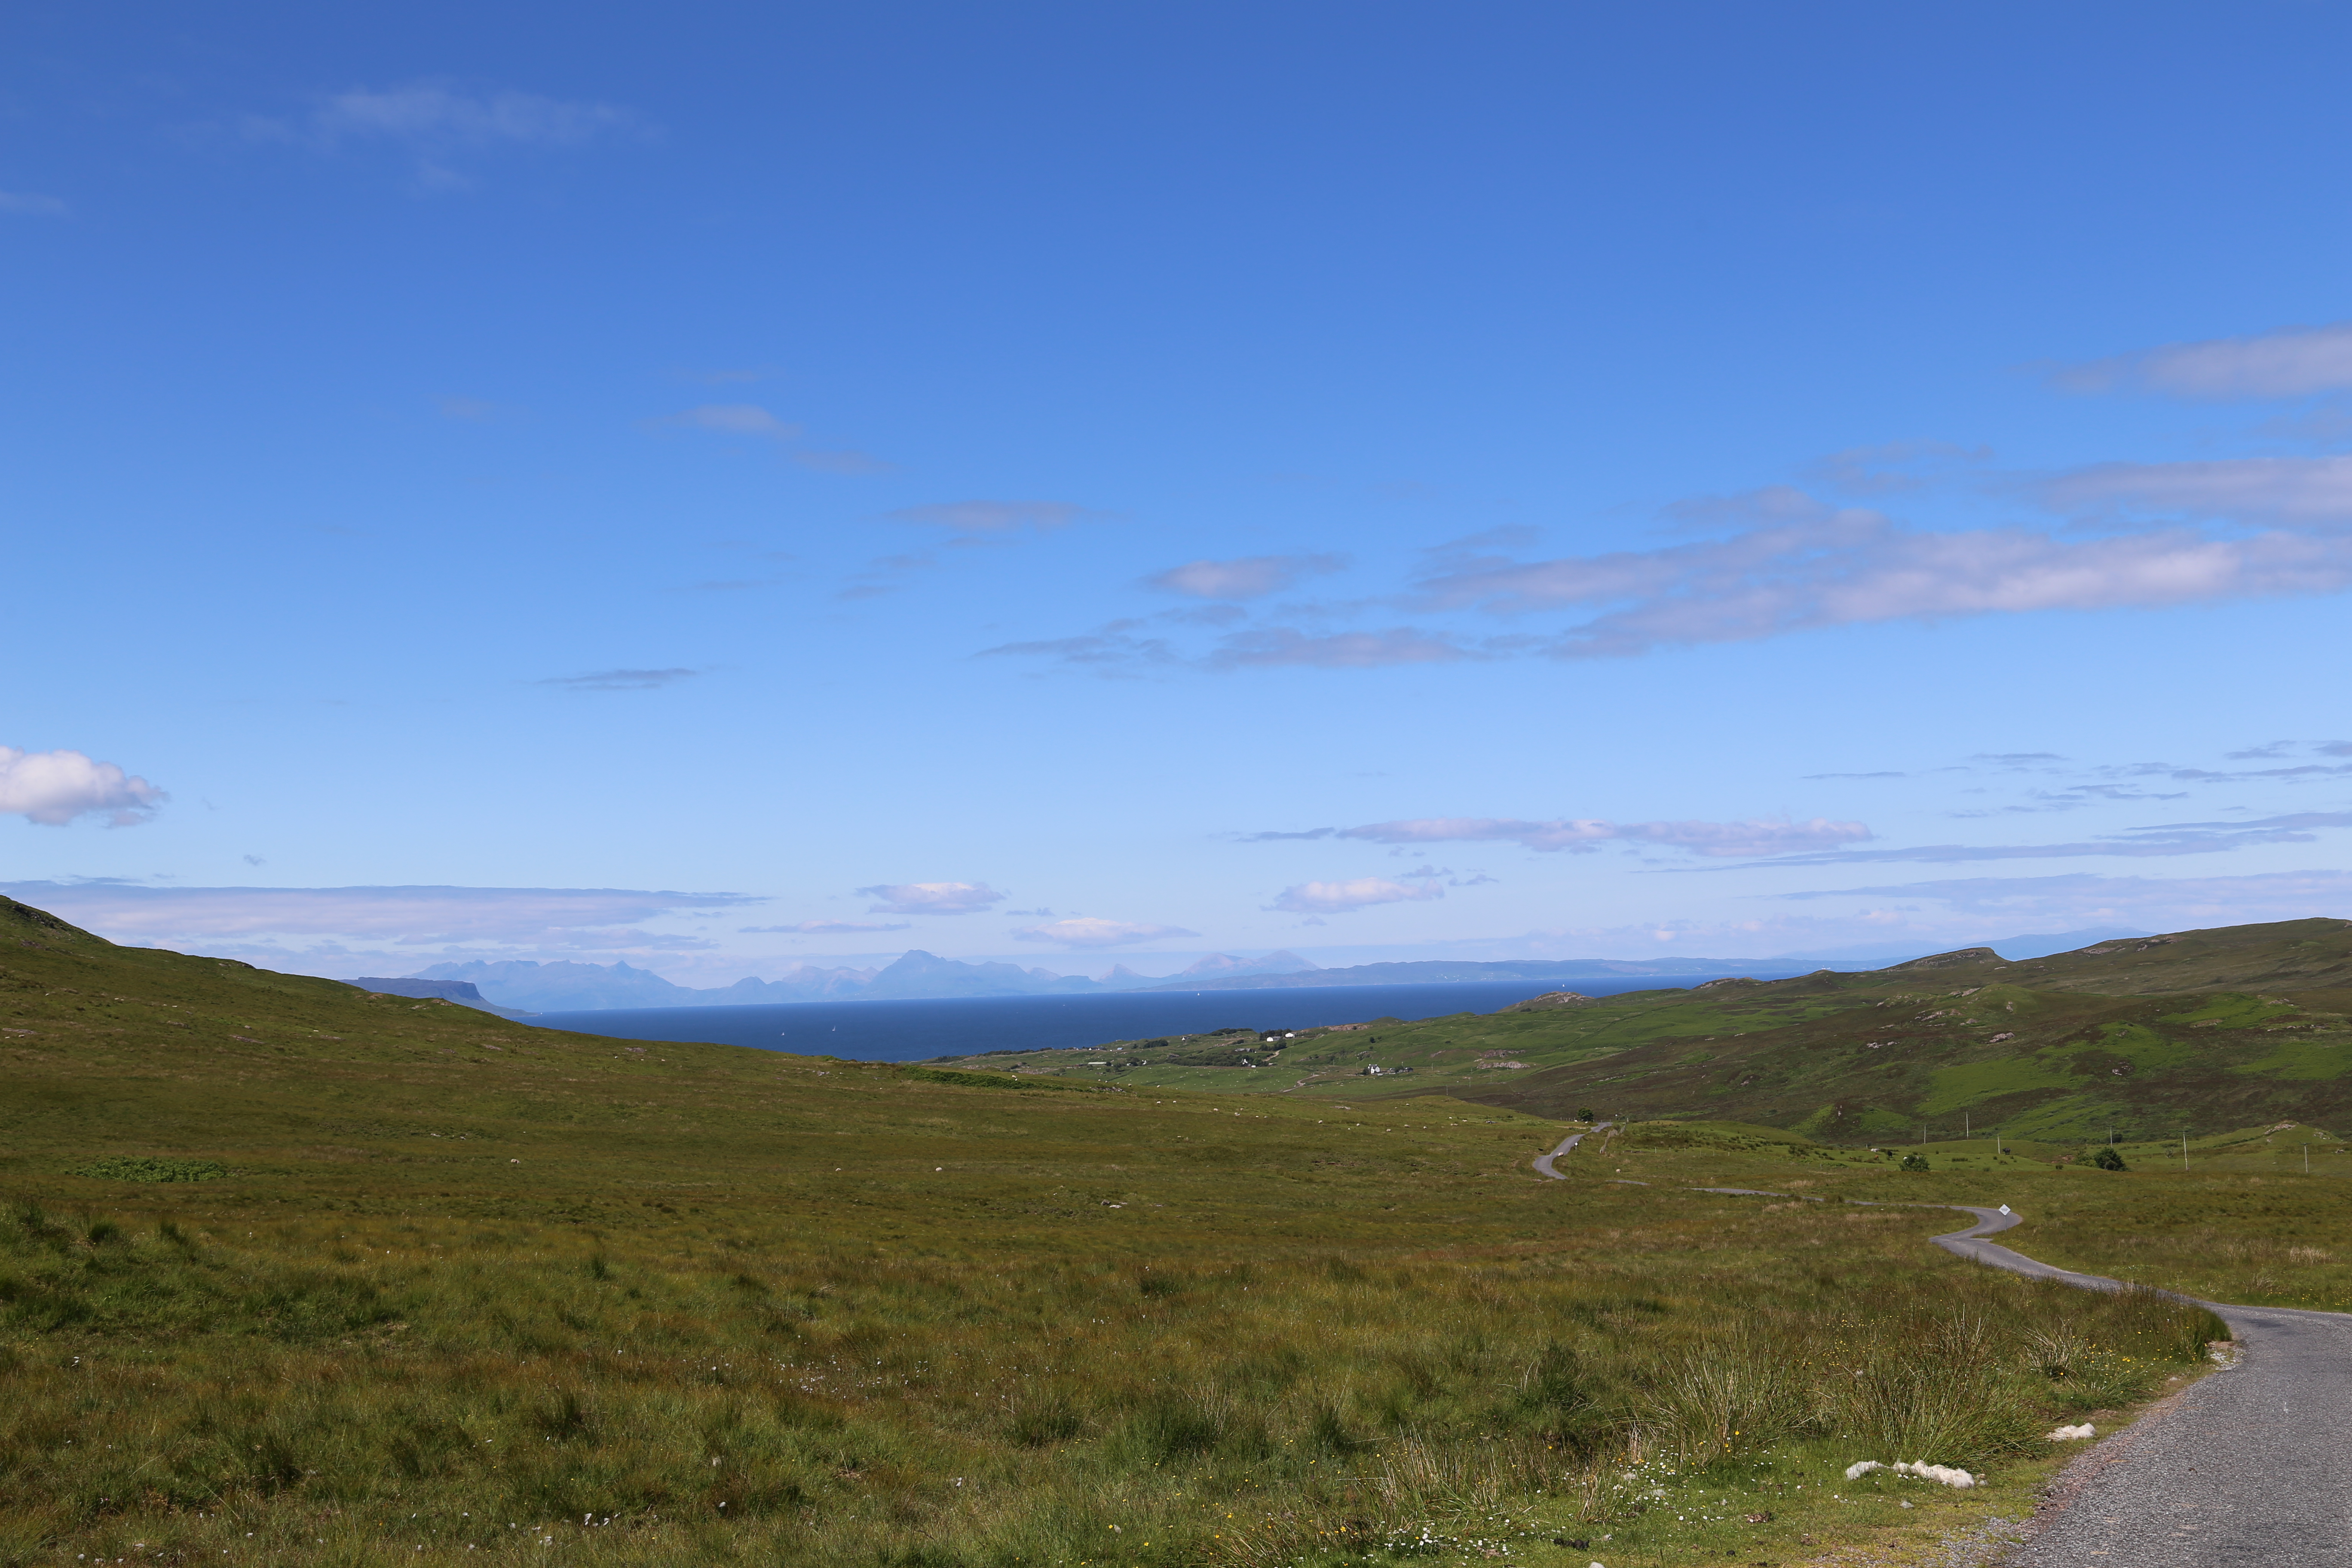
<point x="568" y="987"/>
<point x="519" y="985"/>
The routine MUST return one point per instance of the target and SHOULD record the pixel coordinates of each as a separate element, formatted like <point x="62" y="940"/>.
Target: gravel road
<point x="2250" y="1467"/>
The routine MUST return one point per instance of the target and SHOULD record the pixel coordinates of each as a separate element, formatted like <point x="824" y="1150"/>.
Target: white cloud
<point x="1775" y="835"/>
<point x="1359" y="893"/>
<point x="734" y="419"/>
<point x="824" y="928"/>
<point x="930" y="898"/>
<point x="1274" y="647"/>
<point x="2159" y="841"/>
<point x="2292" y="491"/>
<point x="1248" y="577"/>
<point x="1771" y="835"/>
<point x="1087" y="932"/>
<point x="2290" y="362"/>
<point x="53" y="788"/>
<point x="995" y="516"/>
<point x="414" y="915"/>
<point x="428" y="114"/>
<point x="1856" y="567"/>
<point x="31" y="204"/>
<point x="2161" y="902"/>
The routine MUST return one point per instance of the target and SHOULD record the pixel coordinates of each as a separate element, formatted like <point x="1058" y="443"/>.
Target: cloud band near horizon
<point x="1765" y="837"/>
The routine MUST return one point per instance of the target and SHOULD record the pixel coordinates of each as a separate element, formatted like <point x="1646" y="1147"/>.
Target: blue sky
<point x="1085" y="484"/>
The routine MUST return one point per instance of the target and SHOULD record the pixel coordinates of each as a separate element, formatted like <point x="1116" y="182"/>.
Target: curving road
<point x="1567" y="1145"/>
<point x="2251" y="1467"/>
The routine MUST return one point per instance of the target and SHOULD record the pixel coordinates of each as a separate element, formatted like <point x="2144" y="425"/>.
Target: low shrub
<point x="147" y="1168"/>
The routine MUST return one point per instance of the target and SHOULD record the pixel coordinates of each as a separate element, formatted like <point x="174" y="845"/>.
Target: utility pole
<point x="2184" y="1151"/>
<point x="1965" y="1134"/>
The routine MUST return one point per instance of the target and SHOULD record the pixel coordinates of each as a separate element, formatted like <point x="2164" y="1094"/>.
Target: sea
<point x="918" y="1031"/>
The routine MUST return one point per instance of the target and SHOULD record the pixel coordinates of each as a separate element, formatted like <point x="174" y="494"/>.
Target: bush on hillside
<point x="140" y="1168"/>
<point x="2106" y="1159"/>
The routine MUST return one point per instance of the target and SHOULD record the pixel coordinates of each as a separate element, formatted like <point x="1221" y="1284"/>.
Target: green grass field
<point x="424" y="1284"/>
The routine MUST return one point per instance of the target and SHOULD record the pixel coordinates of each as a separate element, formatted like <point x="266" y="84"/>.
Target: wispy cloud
<point x="2292" y="773"/>
<point x="1123" y="647"/>
<point x="1356" y="893"/>
<point x="2164" y="902"/>
<point x="843" y="460"/>
<point x="30" y="204"/>
<point x="1088" y="931"/>
<point x="930" y="897"/>
<point x="52" y="788"/>
<point x="619" y="680"/>
<point x="1856" y="567"/>
<point x="405" y="915"/>
<point x="751" y="420"/>
<point x="1273" y="647"/>
<point x="732" y="419"/>
<point x="997" y="516"/>
<point x="2138" y="843"/>
<point x="824" y="928"/>
<point x="1773" y="836"/>
<point x="2297" y="492"/>
<point x="1112" y="652"/>
<point x="1247" y="577"/>
<point x="435" y="115"/>
<point x="1893" y="465"/>
<point x="2292" y="362"/>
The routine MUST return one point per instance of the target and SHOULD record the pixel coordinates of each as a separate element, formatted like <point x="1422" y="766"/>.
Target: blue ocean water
<point x="916" y="1031"/>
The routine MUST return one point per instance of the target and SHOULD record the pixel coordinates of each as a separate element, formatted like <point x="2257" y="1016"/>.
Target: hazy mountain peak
<point x="1224" y="963"/>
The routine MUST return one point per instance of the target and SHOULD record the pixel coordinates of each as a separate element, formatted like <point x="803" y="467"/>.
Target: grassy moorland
<point x="436" y="1286"/>
<point x="2195" y="1032"/>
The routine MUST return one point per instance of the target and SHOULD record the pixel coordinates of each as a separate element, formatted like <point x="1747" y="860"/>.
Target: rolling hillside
<point x="2229" y="1027"/>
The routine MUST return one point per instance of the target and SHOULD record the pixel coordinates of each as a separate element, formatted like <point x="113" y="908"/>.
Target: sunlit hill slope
<point x="2229" y="1027"/>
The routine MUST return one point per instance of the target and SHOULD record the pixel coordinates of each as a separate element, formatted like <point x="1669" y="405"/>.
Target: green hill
<point x="2230" y="1028"/>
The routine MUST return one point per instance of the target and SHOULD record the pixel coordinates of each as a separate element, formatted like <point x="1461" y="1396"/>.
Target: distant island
<point x="521" y="986"/>
<point x="568" y="987"/>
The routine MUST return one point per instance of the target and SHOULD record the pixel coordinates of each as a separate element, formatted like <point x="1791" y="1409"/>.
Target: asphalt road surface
<point x="2250" y="1467"/>
<point x="1567" y="1144"/>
